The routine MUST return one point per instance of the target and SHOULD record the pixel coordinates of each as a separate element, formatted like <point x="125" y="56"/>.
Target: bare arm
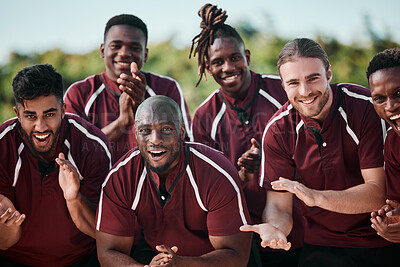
<point x="82" y="211"/>
<point x="232" y="250"/>
<point x="10" y="223"/>
<point x="362" y="198"/>
<point x="114" y="250"/>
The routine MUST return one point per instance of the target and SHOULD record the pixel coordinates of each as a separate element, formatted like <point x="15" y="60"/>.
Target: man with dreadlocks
<point x="232" y="118"/>
<point x="384" y="81"/>
<point x="109" y="100"/>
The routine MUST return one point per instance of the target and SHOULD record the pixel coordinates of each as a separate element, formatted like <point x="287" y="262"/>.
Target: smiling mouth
<point x="41" y="137"/>
<point x="156" y="155"/>
<point x="229" y="78"/>
<point x="394" y="119"/>
<point x="123" y="64"/>
<point x="308" y="101"/>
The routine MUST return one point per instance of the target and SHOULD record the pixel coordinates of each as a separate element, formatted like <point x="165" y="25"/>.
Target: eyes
<point x="165" y="130"/>
<point x="310" y="80"/>
<point x="381" y="99"/>
<point x="34" y="116"/>
<point x="133" y="47"/>
<point x="219" y="61"/>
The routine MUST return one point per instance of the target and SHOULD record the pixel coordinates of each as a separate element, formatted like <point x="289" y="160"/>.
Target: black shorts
<point x="312" y="255"/>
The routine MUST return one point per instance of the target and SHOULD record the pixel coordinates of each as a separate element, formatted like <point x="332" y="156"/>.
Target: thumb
<point x="248" y="228"/>
<point x="134" y="69"/>
<point x="174" y="249"/>
<point x="254" y="143"/>
<point x="61" y="155"/>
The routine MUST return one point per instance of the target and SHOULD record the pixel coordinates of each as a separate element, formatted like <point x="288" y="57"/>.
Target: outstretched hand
<point x="270" y="235"/>
<point x="307" y="195"/>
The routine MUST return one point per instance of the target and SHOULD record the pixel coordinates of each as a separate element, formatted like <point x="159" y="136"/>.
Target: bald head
<point x="159" y="108"/>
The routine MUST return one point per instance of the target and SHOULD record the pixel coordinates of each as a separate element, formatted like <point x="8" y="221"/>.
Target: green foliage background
<point x="349" y="63"/>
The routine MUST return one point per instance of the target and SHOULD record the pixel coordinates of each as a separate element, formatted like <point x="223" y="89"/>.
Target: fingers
<point x="12" y="218"/>
<point x="283" y="184"/>
<point x="276" y="244"/>
<point x="395" y="212"/>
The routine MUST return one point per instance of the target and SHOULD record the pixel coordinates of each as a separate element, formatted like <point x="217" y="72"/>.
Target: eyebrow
<point x="307" y="77"/>
<point x="34" y="112"/>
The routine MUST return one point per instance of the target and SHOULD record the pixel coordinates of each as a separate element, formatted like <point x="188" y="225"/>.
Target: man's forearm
<point x="115" y="130"/>
<point x="362" y="198"/>
<point x="83" y="214"/>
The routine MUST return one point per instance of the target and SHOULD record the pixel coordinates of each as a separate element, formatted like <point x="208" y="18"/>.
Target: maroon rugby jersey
<point x="217" y="125"/>
<point x="96" y="100"/>
<point x="328" y="158"/>
<point x="197" y="207"/>
<point x="49" y="236"/>
<point x="392" y="165"/>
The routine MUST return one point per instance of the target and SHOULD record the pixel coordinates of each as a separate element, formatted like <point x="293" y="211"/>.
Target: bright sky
<point x="76" y="26"/>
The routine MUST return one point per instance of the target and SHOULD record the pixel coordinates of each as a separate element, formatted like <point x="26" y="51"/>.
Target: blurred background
<point x="68" y="34"/>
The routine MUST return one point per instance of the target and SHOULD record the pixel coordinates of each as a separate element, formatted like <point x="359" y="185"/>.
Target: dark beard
<point x="163" y="168"/>
<point x="44" y="153"/>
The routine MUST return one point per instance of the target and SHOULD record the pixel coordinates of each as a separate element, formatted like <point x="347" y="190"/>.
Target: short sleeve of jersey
<point x="392" y="166"/>
<point x="371" y="140"/>
<point x="227" y="212"/>
<point x="224" y="200"/>
<point x="8" y="159"/>
<point x="276" y="160"/>
<point x="74" y="101"/>
<point x="201" y="133"/>
<point x="114" y="214"/>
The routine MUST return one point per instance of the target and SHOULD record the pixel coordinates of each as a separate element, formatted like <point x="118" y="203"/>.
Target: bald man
<point x="187" y="218"/>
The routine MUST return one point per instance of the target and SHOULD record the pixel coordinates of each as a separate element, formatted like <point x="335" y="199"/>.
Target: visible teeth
<point x="231" y="77"/>
<point x="42" y="136"/>
<point x="124" y="63"/>
<point x="157" y="152"/>
<point x="395" y="117"/>
<point x="308" y="101"/>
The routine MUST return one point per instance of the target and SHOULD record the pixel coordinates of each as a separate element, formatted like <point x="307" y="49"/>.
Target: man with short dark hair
<point x="52" y="166"/>
<point x="332" y="136"/>
<point x="384" y="81"/>
<point x="109" y="100"/>
<point x="187" y="218"/>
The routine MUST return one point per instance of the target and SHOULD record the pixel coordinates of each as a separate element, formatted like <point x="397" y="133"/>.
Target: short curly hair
<point x="388" y="58"/>
<point x="127" y="19"/>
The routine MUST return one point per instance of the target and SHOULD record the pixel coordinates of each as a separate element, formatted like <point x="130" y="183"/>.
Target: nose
<point x="228" y="66"/>
<point x="391" y="104"/>
<point x="41" y="125"/>
<point x="156" y="137"/>
<point x="304" y="89"/>
<point x="124" y="51"/>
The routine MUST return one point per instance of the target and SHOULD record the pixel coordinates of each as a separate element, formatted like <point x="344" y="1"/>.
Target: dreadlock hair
<point x="213" y="26"/>
<point x="127" y="19"/>
<point x="388" y="58"/>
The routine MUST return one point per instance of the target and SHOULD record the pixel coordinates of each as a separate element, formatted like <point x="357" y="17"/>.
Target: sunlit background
<point x="67" y="34"/>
